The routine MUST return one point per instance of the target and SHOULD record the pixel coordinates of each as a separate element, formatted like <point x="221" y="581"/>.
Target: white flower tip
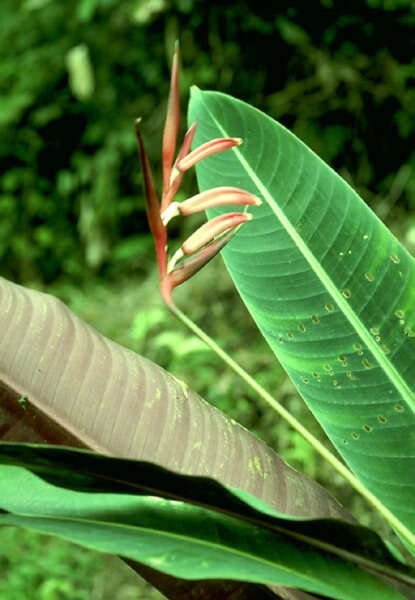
<point x="171" y="211"/>
<point x="178" y="255"/>
<point x="258" y="201"/>
<point x="239" y="141"/>
<point x="175" y="172"/>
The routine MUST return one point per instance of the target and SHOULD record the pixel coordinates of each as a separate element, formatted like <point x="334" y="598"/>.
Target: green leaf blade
<point x="85" y="471"/>
<point x="180" y="539"/>
<point x="331" y="290"/>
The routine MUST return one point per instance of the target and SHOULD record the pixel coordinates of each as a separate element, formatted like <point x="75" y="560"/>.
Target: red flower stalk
<point x="176" y="176"/>
<point x="171" y="127"/>
<point x="157" y="228"/>
<point x="209" y="239"/>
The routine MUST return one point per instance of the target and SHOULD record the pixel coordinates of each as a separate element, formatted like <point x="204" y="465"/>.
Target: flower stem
<point x="339" y="466"/>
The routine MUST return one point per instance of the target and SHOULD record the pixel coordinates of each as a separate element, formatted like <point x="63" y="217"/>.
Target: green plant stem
<point x="317" y="445"/>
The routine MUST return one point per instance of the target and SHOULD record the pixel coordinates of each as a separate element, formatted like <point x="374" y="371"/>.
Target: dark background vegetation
<point x="73" y="77"/>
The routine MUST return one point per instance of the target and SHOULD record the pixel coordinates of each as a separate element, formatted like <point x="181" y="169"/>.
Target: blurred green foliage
<point x="48" y="578"/>
<point x="74" y="75"/>
<point x="40" y="567"/>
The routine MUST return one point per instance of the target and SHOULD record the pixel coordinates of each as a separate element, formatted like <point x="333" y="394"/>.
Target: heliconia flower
<point x="209" y="239"/>
<point x="192" y="264"/>
<point x="157" y="227"/>
<point x="207" y="149"/>
<point x="219" y="196"/>
<point x="187" y="142"/>
<point x="209" y="230"/>
<point x="207" y="233"/>
<point x="171" y="127"/>
<point x="175" y="174"/>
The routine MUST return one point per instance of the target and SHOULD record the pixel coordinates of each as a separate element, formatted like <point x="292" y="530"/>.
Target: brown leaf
<point x="62" y="382"/>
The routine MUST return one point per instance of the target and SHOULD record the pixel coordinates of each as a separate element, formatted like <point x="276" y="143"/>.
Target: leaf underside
<point x="61" y="382"/>
<point x="330" y="288"/>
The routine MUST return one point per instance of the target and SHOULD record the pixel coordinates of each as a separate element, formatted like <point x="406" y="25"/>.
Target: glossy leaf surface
<point x="180" y="539"/>
<point x="330" y="288"/>
<point x="85" y="471"/>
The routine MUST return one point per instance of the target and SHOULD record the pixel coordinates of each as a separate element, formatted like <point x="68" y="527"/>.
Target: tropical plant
<point x="205" y="509"/>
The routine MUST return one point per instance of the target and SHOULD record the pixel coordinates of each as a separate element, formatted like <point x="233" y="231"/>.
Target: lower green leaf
<point x="180" y="539"/>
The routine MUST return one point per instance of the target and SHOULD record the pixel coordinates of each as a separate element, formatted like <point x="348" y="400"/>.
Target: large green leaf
<point x="180" y="539"/>
<point x="330" y="288"/>
<point x="80" y="470"/>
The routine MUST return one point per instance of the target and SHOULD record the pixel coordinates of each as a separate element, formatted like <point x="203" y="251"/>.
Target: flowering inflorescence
<point x="211" y="237"/>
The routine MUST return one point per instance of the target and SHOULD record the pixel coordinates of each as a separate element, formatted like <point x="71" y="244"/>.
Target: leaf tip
<point x="195" y="91"/>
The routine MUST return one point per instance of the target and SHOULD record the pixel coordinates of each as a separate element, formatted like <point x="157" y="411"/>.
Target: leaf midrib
<point x="179" y="537"/>
<point x="394" y="376"/>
